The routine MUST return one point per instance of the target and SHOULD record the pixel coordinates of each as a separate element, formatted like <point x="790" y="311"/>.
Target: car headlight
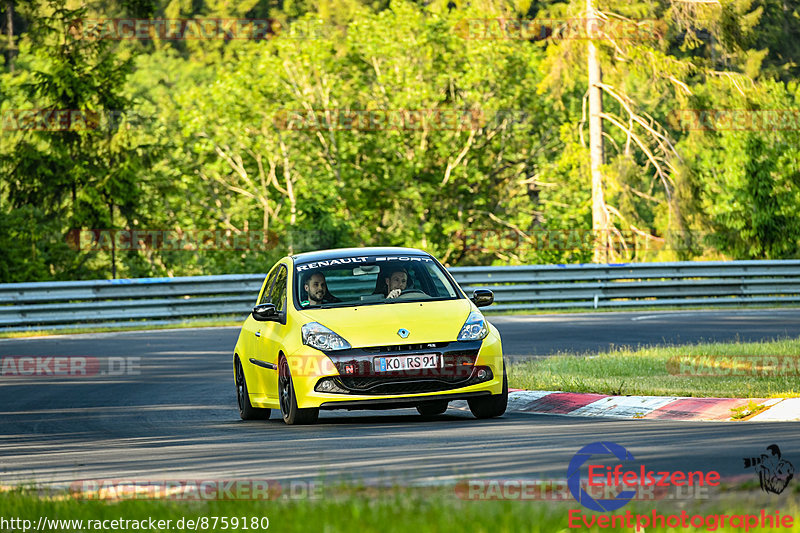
<point x="474" y="329"/>
<point x="318" y="336"/>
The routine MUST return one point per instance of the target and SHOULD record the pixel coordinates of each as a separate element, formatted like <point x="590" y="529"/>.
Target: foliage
<point x="236" y="135"/>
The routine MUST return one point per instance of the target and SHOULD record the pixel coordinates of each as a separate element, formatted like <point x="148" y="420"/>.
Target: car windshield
<point x="370" y="280"/>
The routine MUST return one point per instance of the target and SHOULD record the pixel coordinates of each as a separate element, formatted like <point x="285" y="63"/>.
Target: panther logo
<point x="774" y="472"/>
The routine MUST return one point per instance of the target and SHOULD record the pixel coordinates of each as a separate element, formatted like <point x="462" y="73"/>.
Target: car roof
<point x="340" y="253"/>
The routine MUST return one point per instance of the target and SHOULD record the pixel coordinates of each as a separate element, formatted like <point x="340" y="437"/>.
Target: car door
<point x="269" y="339"/>
<point x="250" y="330"/>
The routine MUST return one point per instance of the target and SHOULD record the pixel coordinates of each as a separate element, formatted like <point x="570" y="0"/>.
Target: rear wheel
<point x="491" y="406"/>
<point x="246" y="410"/>
<point x="288" y="400"/>
<point x="432" y="408"/>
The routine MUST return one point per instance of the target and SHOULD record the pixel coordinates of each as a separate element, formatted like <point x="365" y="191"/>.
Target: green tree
<point x="81" y="167"/>
<point x="743" y="168"/>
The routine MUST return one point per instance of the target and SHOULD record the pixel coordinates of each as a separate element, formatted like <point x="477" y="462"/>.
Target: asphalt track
<point x="593" y="332"/>
<point x="176" y="418"/>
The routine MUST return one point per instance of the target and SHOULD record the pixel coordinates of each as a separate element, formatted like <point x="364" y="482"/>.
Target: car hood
<point x="377" y="325"/>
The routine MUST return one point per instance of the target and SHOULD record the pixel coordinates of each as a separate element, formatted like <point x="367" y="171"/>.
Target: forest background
<point x="184" y="137"/>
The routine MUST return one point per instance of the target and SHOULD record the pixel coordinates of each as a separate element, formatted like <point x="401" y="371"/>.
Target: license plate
<point x="406" y="362"/>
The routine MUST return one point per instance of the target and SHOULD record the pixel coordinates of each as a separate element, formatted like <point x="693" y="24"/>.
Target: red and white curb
<point x="649" y="407"/>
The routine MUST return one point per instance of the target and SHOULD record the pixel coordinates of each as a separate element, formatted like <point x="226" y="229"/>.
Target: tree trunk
<point x="113" y="242"/>
<point x="599" y="214"/>
<point x="11" y="49"/>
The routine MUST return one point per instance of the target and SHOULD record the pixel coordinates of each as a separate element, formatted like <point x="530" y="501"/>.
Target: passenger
<point x="317" y="289"/>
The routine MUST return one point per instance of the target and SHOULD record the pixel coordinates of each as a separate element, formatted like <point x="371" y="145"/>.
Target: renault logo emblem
<point x="403" y="332"/>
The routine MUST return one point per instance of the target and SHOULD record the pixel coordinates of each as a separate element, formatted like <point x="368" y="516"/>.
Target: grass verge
<point x="735" y="370"/>
<point x="489" y="311"/>
<point x="392" y="510"/>
<point x="133" y="326"/>
<point x="223" y="322"/>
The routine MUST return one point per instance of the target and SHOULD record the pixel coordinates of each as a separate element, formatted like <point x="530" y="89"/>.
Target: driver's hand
<point x="394" y="294"/>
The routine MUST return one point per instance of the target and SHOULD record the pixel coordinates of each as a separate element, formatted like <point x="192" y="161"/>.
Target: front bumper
<point x="362" y="387"/>
<point x="398" y="403"/>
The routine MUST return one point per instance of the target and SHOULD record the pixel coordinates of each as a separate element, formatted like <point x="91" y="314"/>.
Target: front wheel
<point x="286" y="393"/>
<point x="246" y="410"/>
<point x="491" y="406"/>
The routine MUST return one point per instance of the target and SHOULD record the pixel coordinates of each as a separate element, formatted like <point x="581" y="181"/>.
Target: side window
<point x="278" y="293"/>
<point x="265" y="297"/>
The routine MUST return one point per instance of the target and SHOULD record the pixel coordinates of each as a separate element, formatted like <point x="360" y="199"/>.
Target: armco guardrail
<point x="168" y="300"/>
<point x="54" y="305"/>
<point x="690" y="283"/>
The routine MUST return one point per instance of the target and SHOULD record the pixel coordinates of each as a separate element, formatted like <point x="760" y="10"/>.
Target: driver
<point x="396" y="283"/>
<point x="317" y="289"/>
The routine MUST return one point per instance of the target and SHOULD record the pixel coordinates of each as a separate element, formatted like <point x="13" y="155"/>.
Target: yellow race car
<point x="367" y="328"/>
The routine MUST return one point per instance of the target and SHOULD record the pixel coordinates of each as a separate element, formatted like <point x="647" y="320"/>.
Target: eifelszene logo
<point x="574" y="476"/>
<point x="613" y="477"/>
<point x="774" y="472"/>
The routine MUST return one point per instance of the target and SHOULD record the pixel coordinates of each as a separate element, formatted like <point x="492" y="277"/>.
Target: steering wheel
<point x="411" y="292"/>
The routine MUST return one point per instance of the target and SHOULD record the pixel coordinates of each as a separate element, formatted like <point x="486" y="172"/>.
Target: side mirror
<point x="482" y="297"/>
<point x="265" y="312"/>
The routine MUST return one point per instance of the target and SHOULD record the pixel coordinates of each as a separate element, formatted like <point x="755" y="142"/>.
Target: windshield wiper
<point x="329" y="305"/>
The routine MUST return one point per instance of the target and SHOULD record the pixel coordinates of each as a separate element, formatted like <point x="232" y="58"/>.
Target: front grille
<point x="455" y="365"/>
<point x="407" y="384"/>
<point x="460" y="358"/>
<point x="357" y="373"/>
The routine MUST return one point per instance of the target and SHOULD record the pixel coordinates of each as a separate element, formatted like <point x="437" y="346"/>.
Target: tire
<point x="491" y="406"/>
<point x="432" y="408"/>
<point x="246" y="410"/>
<point x="291" y="413"/>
